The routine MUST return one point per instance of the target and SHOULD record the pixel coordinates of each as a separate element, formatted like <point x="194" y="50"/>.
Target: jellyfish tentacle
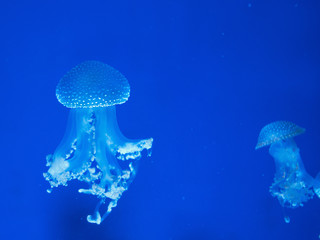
<point x="96" y="217"/>
<point x="316" y="185"/>
<point x="56" y="161"/>
<point x="114" y="179"/>
<point x="68" y="139"/>
<point x="293" y="186"/>
<point x="122" y="147"/>
<point x="72" y="159"/>
<point x="84" y="144"/>
<point x="102" y="147"/>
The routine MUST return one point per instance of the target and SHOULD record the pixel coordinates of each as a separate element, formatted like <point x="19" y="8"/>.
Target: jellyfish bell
<point x="293" y="186"/>
<point x="277" y="131"/>
<point x="93" y="149"/>
<point x="92" y="84"/>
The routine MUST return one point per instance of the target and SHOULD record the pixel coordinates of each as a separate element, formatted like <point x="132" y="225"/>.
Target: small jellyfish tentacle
<point x="114" y="178"/>
<point x="84" y="143"/>
<point x="121" y="146"/>
<point x="293" y="186"/>
<point x="104" y="158"/>
<point x="69" y="137"/>
<point x="96" y="217"/>
<point x="65" y="148"/>
<point x="105" y="130"/>
<point x="71" y="161"/>
<point x="316" y="185"/>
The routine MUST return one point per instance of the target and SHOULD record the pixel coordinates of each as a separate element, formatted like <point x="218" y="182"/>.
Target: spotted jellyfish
<point x="93" y="149"/>
<point x="292" y="185"/>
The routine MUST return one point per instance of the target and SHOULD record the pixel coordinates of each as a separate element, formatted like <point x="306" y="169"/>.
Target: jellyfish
<point x="292" y="185"/>
<point x="93" y="149"/>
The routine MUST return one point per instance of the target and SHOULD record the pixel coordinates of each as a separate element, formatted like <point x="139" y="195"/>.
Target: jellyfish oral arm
<point x="94" y="151"/>
<point x="293" y="186"/>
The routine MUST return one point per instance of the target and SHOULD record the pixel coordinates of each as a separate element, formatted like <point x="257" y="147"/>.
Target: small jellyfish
<point x="93" y="149"/>
<point x="293" y="186"/>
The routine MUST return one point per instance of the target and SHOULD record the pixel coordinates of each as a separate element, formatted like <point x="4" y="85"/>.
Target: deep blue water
<point x="205" y="77"/>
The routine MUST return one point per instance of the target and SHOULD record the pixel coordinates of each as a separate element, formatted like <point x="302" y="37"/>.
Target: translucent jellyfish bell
<point x="277" y="131"/>
<point x="292" y="185"/>
<point x="93" y="149"/>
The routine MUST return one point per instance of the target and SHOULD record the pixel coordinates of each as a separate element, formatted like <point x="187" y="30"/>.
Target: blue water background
<point x="205" y="77"/>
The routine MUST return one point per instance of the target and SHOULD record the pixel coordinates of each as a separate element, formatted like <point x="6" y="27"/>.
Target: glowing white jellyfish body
<point x="93" y="149"/>
<point x="292" y="185"/>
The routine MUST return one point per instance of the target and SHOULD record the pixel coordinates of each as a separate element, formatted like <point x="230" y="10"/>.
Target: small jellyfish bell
<point x="93" y="149"/>
<point x="292" y="185"/>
